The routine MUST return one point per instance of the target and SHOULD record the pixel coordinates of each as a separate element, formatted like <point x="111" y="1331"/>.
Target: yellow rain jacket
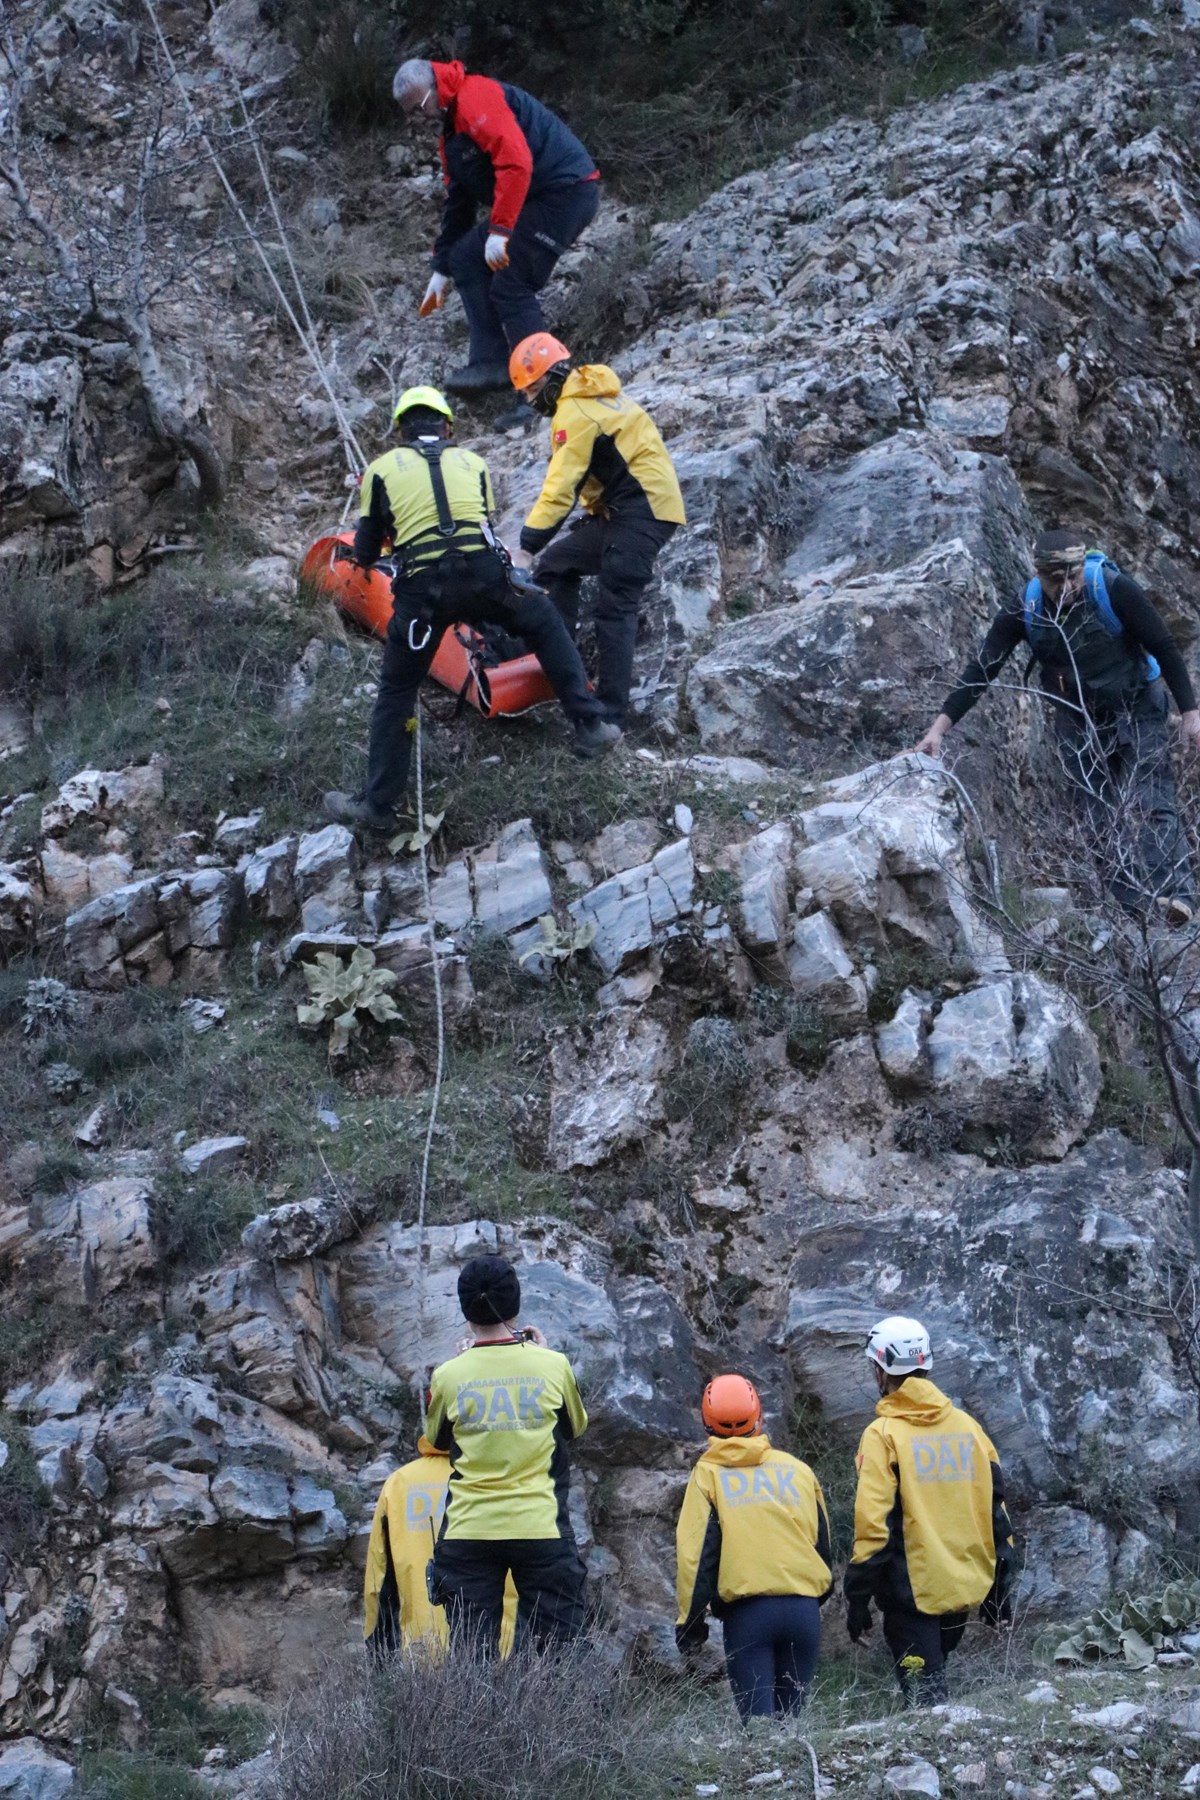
<point x="929" y="1513"/>
<point x="396" y="1608"/>
<point x="398" y="505"/>
<point x="753" y="1521"/>
<point x="606" y="453"/>
<point x="505" y="1413"/>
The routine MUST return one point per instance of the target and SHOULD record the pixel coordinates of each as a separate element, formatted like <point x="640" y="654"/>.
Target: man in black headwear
<point x="505" y="1410"/>
<point x="1105" y="660"/>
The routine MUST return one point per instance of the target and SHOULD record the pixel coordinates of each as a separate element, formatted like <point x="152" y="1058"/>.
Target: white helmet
<point x="899" y="1346"/>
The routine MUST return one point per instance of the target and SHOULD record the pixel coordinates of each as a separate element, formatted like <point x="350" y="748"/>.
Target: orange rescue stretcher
<point x="365" y="595"/>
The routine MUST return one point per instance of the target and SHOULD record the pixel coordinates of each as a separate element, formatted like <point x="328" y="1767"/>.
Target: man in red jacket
<point x="502" y="149"/>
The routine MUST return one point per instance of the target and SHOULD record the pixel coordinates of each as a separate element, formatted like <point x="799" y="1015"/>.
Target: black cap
<point x="1059" y="550"/>
<point x="489" y="1291"/>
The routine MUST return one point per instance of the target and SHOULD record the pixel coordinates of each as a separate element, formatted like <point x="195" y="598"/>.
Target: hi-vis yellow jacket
<point x="929" y="1516"/>
<point x="606" y="453"/>
<point x="506" y="1412"/>
<point x="753" y="1521"/>
<point x="398" y="506"/>
<point x="396" y="1609"/>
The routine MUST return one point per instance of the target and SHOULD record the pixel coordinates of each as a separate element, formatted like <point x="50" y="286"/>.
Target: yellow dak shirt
<point x="398" y="492"/>
<point x="505" y="1413"/>
<point x="403" y="1533"/>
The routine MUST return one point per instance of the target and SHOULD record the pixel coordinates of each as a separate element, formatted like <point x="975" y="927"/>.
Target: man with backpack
<point x="432" y="502"/>
<point x="1105" y="660"/>
<point x="931" y="1534"/>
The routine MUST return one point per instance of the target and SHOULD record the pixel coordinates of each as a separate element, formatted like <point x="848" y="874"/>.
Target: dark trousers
<point x="470" y="590"/>
<point x="502" y="306"/>
<point x="549" y="1577"/>
<point x="621" y="551"/>
<point x="771" y="1643"/>
<point x="920" y="1643"/>
<point x="1121" y="766"/>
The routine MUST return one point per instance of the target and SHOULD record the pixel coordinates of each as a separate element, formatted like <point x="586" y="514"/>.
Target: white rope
<point x="312" y="349"/>
<point x="441" y="1016"/>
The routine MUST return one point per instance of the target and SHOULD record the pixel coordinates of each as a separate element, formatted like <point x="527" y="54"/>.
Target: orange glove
<point x="435" y="295"/>
<point x="495" y="251"/>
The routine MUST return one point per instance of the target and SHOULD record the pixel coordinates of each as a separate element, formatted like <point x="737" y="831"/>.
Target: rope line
<point x="439" y="1007"/>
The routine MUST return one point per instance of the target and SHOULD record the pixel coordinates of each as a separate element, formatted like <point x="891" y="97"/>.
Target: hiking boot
<point x="477" y="378"/>
<point x="1175" y="910"/>
<point x="594" y="737"/>
<point x="514" y="418"/>
<point x="346" y="810"/>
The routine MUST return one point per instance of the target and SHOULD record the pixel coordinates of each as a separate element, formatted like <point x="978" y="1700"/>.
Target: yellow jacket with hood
<point x="753" y="1521"/>
<point x="607" y="454"/>
<point x="396" y="1606"/>
<point x="930" y="1526"/>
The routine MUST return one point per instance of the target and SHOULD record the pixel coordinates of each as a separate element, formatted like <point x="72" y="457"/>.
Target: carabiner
<point x="412" y="626"/>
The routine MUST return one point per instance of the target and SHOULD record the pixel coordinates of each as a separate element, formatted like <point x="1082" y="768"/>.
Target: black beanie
<point x="489" y="1291"/>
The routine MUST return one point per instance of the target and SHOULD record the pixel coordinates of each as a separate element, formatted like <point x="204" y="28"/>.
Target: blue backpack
<point x="1096" y="568"/>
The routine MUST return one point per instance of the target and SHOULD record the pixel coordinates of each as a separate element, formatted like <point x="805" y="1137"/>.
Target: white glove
<point x="495" y="251"/>
<point x="435" y="295"/>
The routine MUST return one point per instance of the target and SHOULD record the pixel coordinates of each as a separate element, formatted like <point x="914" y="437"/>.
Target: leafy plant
<point x="1135" y="1629"/>
<point x="341" y="992"/>
<point x="49" y="1005"/>
<point x="407" y="843"/>
<point x="557" y="945"/>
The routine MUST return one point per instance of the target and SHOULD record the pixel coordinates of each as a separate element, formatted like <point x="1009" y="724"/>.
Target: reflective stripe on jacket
<point x="753" y="1521"/>
<point x="397" y="504"/>
<point x="929" y="1509"/>
<point x="506" y="1412"/>
<point x="605" y="452"/>
<point x="396" y="1609"/>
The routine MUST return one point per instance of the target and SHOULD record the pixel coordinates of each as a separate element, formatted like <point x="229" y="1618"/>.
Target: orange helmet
<point x="731" y="1407"/>
<point x="534" y="357"/>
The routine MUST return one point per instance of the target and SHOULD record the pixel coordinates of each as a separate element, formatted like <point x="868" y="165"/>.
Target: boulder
<point x="18" y="914"/>
<point x="632" y="908"/>
<point x="326" y="866"/>
<point x="840" y="663"/>
<point x="1066" y="1561"/>
<point x="761" y="910"/>
<point x="302" y="1228"/>
<point x="212" y="1154"/>
<point x="104" y="795"/>
<point x="500" y="888"/>
<point x="977" y="1256"/>
<point x="39" y="468"/>
<point x="607" y="1095"/>
<point x="623" y="846"/>
<point x="820" y="970"/>
<point x="1014" y="1055"/>
<point x="269" y="882"/>
<point x="98" y="937"/>
<point x="28" y="1771"/>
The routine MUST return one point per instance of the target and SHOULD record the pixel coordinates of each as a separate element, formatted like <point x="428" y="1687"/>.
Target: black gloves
<point x="858" y="1619"/>
<point x="995" y="1612"/>
<point x="690" y="1639"/>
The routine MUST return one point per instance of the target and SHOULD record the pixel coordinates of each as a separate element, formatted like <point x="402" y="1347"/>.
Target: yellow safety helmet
<point x="428" y="397"/>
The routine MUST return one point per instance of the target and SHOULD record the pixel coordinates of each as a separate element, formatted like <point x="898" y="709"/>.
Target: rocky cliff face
<point x="807" y="1086"/>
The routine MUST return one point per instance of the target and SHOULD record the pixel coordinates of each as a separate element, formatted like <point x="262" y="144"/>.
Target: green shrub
<point x="809" y="1437"/>
<point x="708" y="1089"/>
<point x="122" y="1775"/>
<point x="915" y="966"/>
<point x="24" y="1502"/>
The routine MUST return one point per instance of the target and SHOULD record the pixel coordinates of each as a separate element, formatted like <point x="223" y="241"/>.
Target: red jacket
<point x="498" y="146"/>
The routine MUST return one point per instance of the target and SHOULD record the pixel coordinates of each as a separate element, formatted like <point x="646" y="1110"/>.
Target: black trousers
<point x="920" y="1643"/>
<point x="549" y="1577"/>
<point x="622" y="552"/>
<point x="502" y="307"/>
<point x="470" y="590"/>
<point x="1121" y="767"/>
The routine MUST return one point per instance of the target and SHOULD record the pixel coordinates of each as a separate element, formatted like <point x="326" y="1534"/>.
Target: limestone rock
<point x="39" y="468"/>
<point x="28" y="1771"/>
<point x="916" y="1777"/>
<point x="18" y="914"/>
<point x="820" y="969"/>
<point x="763" y="864"/>
<point x="609" y="1095"/>
<point x="301" y="1228"/>
<point x="326" y="865"/>
<point x="269" y="880"/>
<point x="623" y="846"/>
<point x="233" y="836"/>
<point x="211" y="1154"/>
<point x="510" y="880"/>
<point x="632" y="908"/>
<point x="104" y="795"/>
